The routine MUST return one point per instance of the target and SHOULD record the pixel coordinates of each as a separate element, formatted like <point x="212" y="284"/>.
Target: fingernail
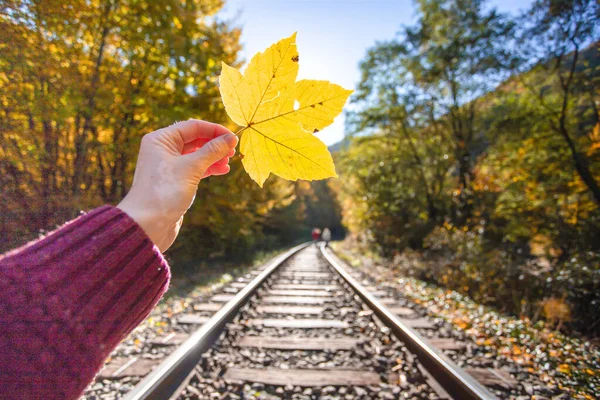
<point x="230" y="139"/>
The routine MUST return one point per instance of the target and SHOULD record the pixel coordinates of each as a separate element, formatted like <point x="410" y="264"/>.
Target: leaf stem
<point x="238" y="133"/>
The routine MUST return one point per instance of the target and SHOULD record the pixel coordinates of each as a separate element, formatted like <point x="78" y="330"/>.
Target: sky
<point x="333" y="35"/>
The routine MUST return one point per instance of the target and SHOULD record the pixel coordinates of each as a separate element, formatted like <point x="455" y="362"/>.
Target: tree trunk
<point x="48" y="166"/>
<point x="81" y="142"/>
<point x="579" y="160"/>
<point x="465" y="178"/>
<point x="582" y="166"/>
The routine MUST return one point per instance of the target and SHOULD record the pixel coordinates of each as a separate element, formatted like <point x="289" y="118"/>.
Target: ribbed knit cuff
<point x="67" y="300"/>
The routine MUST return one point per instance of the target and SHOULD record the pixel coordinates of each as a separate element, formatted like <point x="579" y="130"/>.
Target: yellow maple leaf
<point x="279" y="116"/>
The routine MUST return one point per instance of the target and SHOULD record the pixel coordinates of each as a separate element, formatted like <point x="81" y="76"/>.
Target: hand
<point x="170" y="165"/>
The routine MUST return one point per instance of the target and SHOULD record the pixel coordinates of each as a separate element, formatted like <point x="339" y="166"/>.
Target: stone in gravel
<point x="193" y="390"/>
<point x="328" y="390"/>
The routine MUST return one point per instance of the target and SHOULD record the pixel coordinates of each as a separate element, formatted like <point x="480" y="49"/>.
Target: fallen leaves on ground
<point x="566" y="362"/>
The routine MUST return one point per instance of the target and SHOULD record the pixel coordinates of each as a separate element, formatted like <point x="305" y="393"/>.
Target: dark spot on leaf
<point x="273" y="76"/>
<point x="312" y="105"/>
<point x="320" y="103"/>
<point x="315" y="131"/>
<point x="296" y="58"/>
<point x="241" y="156"/>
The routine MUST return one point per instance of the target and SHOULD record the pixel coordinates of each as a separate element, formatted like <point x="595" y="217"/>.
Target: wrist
<point x="145" y="219"/>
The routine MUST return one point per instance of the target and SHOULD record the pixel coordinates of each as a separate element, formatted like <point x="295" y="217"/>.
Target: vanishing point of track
<point x="305" y="323"/>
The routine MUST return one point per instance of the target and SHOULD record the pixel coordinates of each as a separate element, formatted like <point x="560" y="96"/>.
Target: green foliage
<point x="381" y="194"/>
<point x="430" y="79"/>
<point x="565" y="87"/>
<point x="492" y="177"/>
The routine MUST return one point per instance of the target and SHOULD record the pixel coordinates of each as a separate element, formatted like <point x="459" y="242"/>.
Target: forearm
<point x="67" y="300"/>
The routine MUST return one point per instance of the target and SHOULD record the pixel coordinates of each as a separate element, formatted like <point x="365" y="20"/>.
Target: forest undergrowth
<point x="568" y="362"/>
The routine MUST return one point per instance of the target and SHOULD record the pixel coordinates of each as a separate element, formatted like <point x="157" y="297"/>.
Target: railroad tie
<point x="169" y="339"/>
<point x="419" y="323"/>
<point x="493" y="377"/>
<point x="292" y="286"/>
<point x="304" y="377"/>
<point x="299" y="323"/>
<point x="192" y="319"/>
<point x="283" y="309"/>
<point x="295" y="300"/>
<point x="298" y="343"/>
<point x="208" y="307"/>
<point x="402" y="311"/>
<point x="308" y="325"/>
<point x="300" y="292"/>
<point x="121" y="367"/>
<point x="312" y="275"/>
<point x="222" y="298"/>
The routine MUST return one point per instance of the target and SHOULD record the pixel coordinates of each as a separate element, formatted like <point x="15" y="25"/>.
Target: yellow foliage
<point x="556" y="309"/>
<point x="278" y="115"/>
<point x="564" y="368"/>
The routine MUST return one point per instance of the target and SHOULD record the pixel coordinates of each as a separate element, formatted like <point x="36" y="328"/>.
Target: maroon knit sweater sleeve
<point x="68" y="299"/>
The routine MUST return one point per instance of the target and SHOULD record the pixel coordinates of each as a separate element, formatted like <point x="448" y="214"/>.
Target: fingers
<point x="196" y="144"/>
<point x="222" y="161"/>
<point x="216" y="169"/>
<point x="192" y="130"/>
<point x="193" y="145"/>
<point x="221" y="167"/>
<point x="213" y="152"/>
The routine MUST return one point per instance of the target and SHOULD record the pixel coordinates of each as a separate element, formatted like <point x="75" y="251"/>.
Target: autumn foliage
<point x="82" y="81"/>
<point x="476" y="144"/>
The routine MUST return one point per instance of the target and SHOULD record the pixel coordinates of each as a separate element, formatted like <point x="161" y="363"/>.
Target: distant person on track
<point x="326" y="236"/>
<point x="68" y="299"/>
<point x="316" y="235"/>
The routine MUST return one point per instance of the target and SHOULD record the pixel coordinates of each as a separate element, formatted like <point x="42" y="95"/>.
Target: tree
<point x="566" y="91"/>
<point x="83" y="81"/>
<point x="440" y="67"/>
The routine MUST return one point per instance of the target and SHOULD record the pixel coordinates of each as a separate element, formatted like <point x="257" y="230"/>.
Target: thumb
<point x="211" y="152"/>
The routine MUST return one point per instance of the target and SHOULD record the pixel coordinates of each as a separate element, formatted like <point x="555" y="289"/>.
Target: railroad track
<point x="304" y="327"/>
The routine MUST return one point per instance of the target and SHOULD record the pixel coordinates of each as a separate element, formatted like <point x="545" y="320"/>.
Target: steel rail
<point x="167" y="377"/>
<point x="451" y="377"/>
